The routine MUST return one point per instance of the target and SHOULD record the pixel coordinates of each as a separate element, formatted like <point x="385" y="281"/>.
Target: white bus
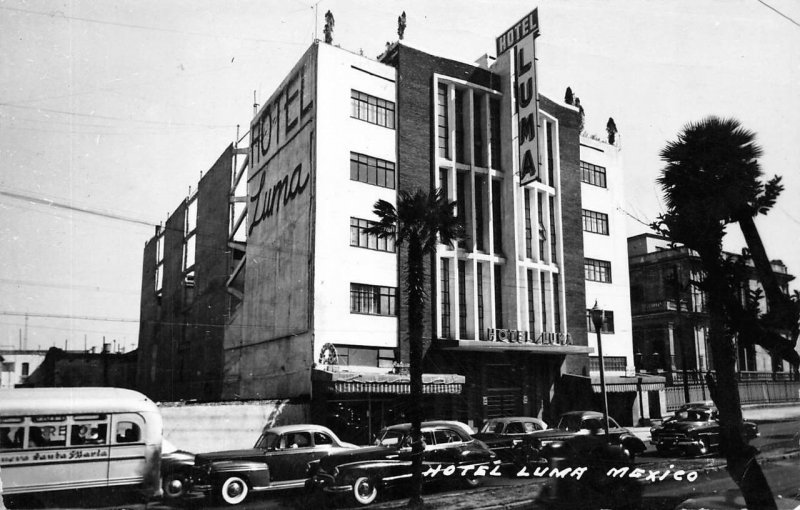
<point x="54" y="439"/>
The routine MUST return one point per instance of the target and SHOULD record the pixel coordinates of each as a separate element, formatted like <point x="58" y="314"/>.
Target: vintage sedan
<point x="693" y="431"/>
<point x="362" y="474"/>
<point x="278" y="461"/>
<point x="576" y="423"/>
<point x="176" y="470"/>
<point x="512" y="438"/>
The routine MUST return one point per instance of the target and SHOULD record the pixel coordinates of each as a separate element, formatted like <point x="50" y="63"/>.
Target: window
<point x="494" y="131"/>
<point x="528" y="226"/>
<point x="461" y="211"/>
<point x="445" y="283"/>
<point x="595" y="222"/>
<point x="371" y="109"/>
<point x="543" y="294"/>
<point x="531" y="310"/>
<point x="597" y="270"/>
<point x="297" y="440"/>
<point x="88" y="433"/>
<point x="128" y="432"/>
<point x="442" y="128"/>
<point x="445" y="436"/>
<point x="361" y="239"/>
<point x="11" y="436"/>
<point x="608" y="322"/>
<point x="593" y="174"/>
<point x="515" y="427"/>
<point x="497" y="217"/>
<point x="26" y="367"/>
<point x="556" y="303"/>
<point x="480" y="185"/>
<point x="461" y="153"/>
<point x="462" y="297"/>
<point x="553" y="247"/>
<point x="498" y="297"/>
<point x="367" y="169"/>
<point x="477" y="128"/>
<point x="321" y="439"/>
<point x="480" y="301"/>
<point x="551" y="179"/>
<point x="372" y="299"/>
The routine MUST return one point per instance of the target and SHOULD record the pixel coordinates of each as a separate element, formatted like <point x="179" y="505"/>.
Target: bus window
<point x="11" y="438"/>
<point x="47" y="435"/>
<point x="128" y="432"/>
<point x="89" y="433"/>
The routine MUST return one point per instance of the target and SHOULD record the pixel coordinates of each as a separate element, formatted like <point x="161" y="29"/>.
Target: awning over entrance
<point x="498" y="346"/>
<point x="622" y="383"/>
<point x="399" y="384"/>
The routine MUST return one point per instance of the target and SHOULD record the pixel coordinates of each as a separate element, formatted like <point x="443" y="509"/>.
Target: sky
<point x="110" y="111"/>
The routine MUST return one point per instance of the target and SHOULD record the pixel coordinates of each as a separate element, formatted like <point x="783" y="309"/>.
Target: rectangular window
<point x="462" y="298"/>
<point x="361" y="239"/>
<point x="477" y="130"/>
<point x="543" y="292"/>
<point x="26" y="369"/>
<point x="528" y="225"/>
<point x="371" y="109"/>
<point x="597" y="270"/>
<point x="542" y="231"/>
<point x="444" y="182"/>
<point x="593" y="174"/>
<point x="556" y="304"/>
<point x="608" y="322"/>
<point x="461" y="153"/>
<point x="372" y="299"/>
<point x="498" y="297"/>
<point x="551" y="179"/>
<point x="445" y="283"/>
<point x="531" y="310"/>
<point x="461" y="198"/>
<point x="497" y="218"/>
<point x="442" y="127"/>
<point x="367" y="169"/>
<point x="553" y="257"/>
<point x="595" y="222"/>
<point x="479" y="191"/>
<point x="480" y="302"/>
<point x="494" y="131"/>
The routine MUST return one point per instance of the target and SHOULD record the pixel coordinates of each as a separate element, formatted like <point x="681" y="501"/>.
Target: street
<point x="778" y="444"/>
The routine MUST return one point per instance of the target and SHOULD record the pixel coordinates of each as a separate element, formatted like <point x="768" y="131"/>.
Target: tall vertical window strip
<point x="595" y="222"/>
<point x="371" y="109"/>
<point x="461" y="152"/>
<point x="444" y="182"/>
<point x="373" y="299"/>
<point x="477" y="130"/>
<point x="481" y="324"/>
<point x="445" y="283"/>
<point x="551" y="179"/>
<point x="498" y="297"/>
<point x="542" y="231"/>
<point x="367" y="169"/>
<point x="593" y="174"/>
<point x="531" y="308"/>
<point x="497" y="217"/>
<point x="462" y="298"/>
<point x="528" y="225"/>
<point x="442" y="127"/>
<point x="556" y="303"/>
<point x="597" y="270"/>
<point x="461" y="198"/>
<point x="494" y="132"/>
<point x="553" y="258"/>
<point x="479" y="191"/>
<point x="360" y="239"/>
<point x="543" y="293"/>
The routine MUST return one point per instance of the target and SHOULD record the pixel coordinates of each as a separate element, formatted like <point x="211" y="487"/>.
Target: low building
<point x="17" y="364"/>
<point x="85" y="368"/>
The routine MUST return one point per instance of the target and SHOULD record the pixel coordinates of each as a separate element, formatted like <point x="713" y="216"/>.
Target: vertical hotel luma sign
<point x="521" y="39"/>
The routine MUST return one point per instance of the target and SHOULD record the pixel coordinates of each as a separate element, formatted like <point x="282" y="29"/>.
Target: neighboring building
<point x="17" y="364"/>
<point x="85" y="368"/>
<point x="668" y="337"/>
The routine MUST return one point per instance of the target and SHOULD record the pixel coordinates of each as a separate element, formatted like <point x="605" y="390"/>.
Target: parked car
<point x="364" y="473"/>
<point x="512" y="438"/>
<point x="278" y="461"/>
<point x="576" y="423"/>
<point x="176" y="470"/>
<point x="732" y="499"/>
<point x="693" y="431"/>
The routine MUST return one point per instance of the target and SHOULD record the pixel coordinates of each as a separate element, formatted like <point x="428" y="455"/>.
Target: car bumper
<point x="327" y="484"/>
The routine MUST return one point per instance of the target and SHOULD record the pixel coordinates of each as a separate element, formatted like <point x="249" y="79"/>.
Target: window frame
<point x="372" y="109"/>
<point x="594" y="175"/>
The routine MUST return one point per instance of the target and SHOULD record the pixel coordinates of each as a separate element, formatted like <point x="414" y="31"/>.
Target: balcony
<point x="611" y="363"/>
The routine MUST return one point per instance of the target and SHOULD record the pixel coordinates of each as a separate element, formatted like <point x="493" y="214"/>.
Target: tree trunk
<point x="777" y="300"/>
<point x="415" y="281"/>
<point x="741" y="457"/>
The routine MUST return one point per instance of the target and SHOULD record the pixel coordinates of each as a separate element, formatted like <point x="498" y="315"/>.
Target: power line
<point x="779" y="12"/>
<point x="66" y="316"/>
<point x="32" y="283"/>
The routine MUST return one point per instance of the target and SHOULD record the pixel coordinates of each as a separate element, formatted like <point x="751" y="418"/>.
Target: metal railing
<point x="750" y="392"/>
<point x="611" y="363"/>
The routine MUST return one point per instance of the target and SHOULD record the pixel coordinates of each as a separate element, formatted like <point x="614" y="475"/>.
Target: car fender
<point x="633" y="444"/>
<point x="256" y="472"/>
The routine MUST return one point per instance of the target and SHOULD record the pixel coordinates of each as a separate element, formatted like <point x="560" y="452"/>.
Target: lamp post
<point x="597" y="321"/>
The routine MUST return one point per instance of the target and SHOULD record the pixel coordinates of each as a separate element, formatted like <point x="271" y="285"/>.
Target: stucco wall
<point x="225" y="426"/>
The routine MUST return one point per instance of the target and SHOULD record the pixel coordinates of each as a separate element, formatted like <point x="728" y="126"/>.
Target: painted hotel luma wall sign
<point x="521" y="39"/>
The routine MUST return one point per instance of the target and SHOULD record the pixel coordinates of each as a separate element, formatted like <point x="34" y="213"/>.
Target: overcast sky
<point x="117" y="107"/>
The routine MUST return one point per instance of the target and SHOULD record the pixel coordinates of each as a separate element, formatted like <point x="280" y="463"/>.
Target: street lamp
<point x="597" y="320"/>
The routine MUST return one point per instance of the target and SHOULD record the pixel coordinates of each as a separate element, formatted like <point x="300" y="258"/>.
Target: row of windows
<point x="595" y="222"/>
<point x="61" y="431"/>
<point x="462" y="114"/>
<point x="373" y="299"/>
<point x="597" y="270"/>
<point x="371" y="109"/>
<point x="375" y="171"/>
<point x="361" y="239"/>
<point x="593" y="174"/>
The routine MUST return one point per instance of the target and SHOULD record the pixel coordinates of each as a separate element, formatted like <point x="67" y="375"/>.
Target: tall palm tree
<point x="711" y="172"/>
<point x="419" y="222"/>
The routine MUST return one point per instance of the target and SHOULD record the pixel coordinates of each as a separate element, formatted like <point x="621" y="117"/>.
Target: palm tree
<point x="711" y="173"/>
<point x="419" y="222"/>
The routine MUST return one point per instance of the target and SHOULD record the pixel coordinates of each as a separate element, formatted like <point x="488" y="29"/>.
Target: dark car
<point x="512" y="438"/>
<point x="365" y="472"/>
<point x="576" y="423"/>
<point x="278" y="461"/>
<point x="176" y="470"/>
<point x="693" y="431"/>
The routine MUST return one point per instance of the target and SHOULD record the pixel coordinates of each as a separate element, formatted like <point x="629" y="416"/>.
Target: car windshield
<point x="695" y="415"/>
<point x="268" y="441"/>
<point x="492" y="427"/>
<point x="390" y="437"/>
<point x="571" y="422"/>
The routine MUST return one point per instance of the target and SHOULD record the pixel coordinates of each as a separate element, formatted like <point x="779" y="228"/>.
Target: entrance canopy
<point x="622" y="384"/>
<point x="344" y="382"/>
<point x="499" y="346"/>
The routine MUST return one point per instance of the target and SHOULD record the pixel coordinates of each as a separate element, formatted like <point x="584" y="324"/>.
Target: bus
<point x="55" y="439"/>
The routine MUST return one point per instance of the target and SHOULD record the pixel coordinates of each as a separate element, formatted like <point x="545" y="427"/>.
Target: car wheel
<point x="364" y="490"/>
<point x="233" y="490"/>
<point x="174" y="486"/>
